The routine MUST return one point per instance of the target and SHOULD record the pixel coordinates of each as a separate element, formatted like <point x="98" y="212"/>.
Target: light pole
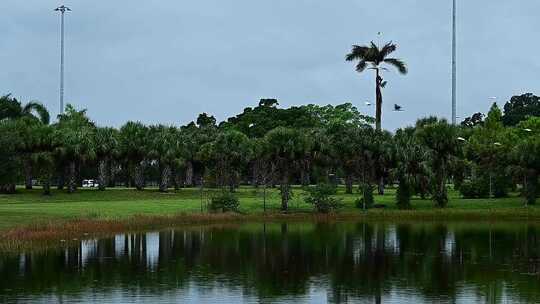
<point x="454" y="85"/>
<point x="62" y="9"/>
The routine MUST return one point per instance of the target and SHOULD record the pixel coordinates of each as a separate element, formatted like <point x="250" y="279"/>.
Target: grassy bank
<point x="29" y="209"/>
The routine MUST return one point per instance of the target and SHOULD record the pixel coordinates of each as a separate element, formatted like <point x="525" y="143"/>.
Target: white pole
<point x="454" y="62"/>
<point x="62" y="9"/>
<point x="62" y="65"/>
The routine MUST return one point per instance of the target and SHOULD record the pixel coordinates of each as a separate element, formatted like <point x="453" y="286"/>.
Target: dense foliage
<point x="486" y="156"/>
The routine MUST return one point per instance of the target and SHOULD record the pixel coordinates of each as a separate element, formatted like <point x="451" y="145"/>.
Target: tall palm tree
<point x="372" y="57"/>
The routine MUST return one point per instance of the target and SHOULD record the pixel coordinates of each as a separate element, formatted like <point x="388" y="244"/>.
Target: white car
<point x="90" y="183"/>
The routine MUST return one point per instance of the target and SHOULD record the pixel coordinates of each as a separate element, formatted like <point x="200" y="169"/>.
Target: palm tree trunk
<point x="255" y="168"/>
<point x="47" y="185"/>
<point x="165" y="175"/>
<point x="111" y="183"/>
<point x="348" y="183"/>
<point x="62" y="177"/>
<point x="27" y="165"/>
<point x="72" y="182"/>
<point x="381" y="185"/>
<point x="378" y="101"/>
<point x="102" y="168"/>
<point x="304" y="173"/>
<point x="7" y="188"/>
<point x="189" y="173"/>
<point x="531" y="191"/>
<point x="139" y="176"/>
<point x="284" y="189"/>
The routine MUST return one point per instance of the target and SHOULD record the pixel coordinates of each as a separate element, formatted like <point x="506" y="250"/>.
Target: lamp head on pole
<point x="62" y="9"/>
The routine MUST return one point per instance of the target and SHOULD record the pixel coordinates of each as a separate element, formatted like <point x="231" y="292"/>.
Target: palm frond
<point x="398" y="64"/>
<point x="361" y="66"/>
<point x="387" y="49"/>
<point x="40" y="109"/>
<point x="357" y="53"/>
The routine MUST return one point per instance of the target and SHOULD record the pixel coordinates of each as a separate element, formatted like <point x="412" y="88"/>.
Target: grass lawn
<point x="31" y="207"/>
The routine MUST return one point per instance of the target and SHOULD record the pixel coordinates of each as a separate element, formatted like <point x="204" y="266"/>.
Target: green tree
<point x="489" y="149"/>
<point x="106" y="147"/>
<point x="410" y="158"/>
<point x="11" y="108"/>
<point x="32" y="114"/>
<point x="286" y="148"/>
<point x="74" y="134"/>
<point x="373" y="57"/>
<point x="527" y="155"/>
<point x="519" y="108"/>
<point x="134" y="148"/>
<point x="440" y="139"/>
<point x="342" y="149"/>
<point x="228" y="154"/>
<point x="9" y="157"/>
<point x="165" y="148"/>
<point x="43" y="156"/>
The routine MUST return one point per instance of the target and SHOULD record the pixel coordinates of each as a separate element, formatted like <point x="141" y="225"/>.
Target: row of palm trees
<point x="267" y="146"/>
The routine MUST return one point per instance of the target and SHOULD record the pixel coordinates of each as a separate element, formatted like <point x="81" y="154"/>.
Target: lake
<point x="345" y="262"/>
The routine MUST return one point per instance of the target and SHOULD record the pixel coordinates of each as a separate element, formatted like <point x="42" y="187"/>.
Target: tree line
<point x="487" y="155"/>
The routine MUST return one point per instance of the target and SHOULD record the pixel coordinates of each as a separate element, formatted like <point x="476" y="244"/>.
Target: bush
<point x="367" y="197"/>
<point x="224" y="202"/>
<point x="321" y="198"/>
<point x="479" y="187"/>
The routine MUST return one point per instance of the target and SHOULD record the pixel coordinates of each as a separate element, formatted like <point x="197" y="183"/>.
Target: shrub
<point x="367" y="197"/>
<point x="321" y="198"/>
<point x="474" y="189"/>
<point x="224" y="202"/>
<point x="479" y="187"/>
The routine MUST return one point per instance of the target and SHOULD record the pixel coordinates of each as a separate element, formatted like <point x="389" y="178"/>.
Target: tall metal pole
<point x="454" y="62"/>
<point x="62" y="9"/>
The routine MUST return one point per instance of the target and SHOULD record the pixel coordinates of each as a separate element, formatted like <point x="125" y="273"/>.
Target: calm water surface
<point x="284" y="263"/>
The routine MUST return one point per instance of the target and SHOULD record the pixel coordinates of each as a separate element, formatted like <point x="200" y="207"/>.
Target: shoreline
<point x="48" y="234"/>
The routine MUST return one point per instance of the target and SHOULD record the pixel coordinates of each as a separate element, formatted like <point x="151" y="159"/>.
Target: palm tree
<point x="31" y="113"/>
<point x="106" y="146"/>
<point x="410" y="158"/>
<point x="165" y="148"/>
<point x="75" y="141"/>
<point x="133" y="146"/>
<point x="440" y="139"/>
<point x="374" y="57"/>
<point x="43" y="158"/>
<point x="229" y="153"/>
<point x="285" y="148"/>
<point x="11" y="108"/>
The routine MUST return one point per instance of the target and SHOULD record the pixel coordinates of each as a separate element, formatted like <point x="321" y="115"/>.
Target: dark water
<point x="284" y="263"/>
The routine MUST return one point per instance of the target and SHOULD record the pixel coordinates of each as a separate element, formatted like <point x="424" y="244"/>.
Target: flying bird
<point x="397" y="108"/>
<point x="368" y="103"/>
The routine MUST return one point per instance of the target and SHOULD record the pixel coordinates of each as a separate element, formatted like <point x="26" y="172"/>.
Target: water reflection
<point x="268" y="263"/>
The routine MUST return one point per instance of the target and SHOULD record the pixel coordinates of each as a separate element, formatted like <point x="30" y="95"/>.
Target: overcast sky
<point x="166" y="61"/>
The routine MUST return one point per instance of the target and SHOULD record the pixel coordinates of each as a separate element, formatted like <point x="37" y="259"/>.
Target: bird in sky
<point x="398" y="108"/>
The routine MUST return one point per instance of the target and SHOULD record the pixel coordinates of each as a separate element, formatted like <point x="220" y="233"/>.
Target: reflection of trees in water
<point x="352" y="261"/>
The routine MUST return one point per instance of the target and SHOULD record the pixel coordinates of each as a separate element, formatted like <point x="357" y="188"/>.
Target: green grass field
<point x="30" y="207"/>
